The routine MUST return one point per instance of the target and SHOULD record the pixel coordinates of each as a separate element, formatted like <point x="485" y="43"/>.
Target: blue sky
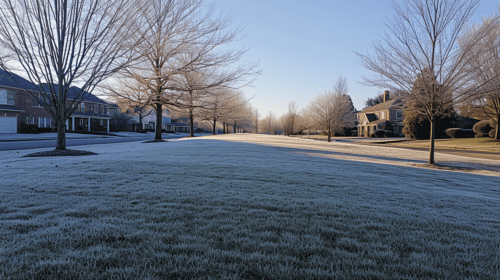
<point x="303" y="46"/>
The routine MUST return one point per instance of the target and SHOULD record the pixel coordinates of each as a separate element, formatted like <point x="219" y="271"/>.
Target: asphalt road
<point x="35" y="144"/>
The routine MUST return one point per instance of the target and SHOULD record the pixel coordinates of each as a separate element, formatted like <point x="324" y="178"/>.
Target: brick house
<point x="387" y="115"/>
<point x="17" y="107"/>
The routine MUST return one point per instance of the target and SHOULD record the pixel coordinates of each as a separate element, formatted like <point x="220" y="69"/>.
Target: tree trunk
<point x="234" y="128"/>
<point x="329" y="135"/>
<point x="61" y="135"/>
<point x="191" y="124"/>
<point x="213" y="132"/>
<point x="497" y="134"/>
<point x="140" y="122"/>
<point x="159" y="116"/>
<point x="433" y="133"/>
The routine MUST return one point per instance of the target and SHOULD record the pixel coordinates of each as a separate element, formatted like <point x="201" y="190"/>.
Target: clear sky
<point x="303" y="46"/>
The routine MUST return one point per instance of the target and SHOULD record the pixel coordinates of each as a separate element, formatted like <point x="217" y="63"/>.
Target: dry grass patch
<point x="487" y="145"/>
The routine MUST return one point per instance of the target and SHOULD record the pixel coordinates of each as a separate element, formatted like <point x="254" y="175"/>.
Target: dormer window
<point x="399" y="115"/>
<point x="82" y="107"/>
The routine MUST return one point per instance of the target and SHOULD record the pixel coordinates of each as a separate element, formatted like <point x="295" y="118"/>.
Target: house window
<point x="96" y="108"/>
<point x="10" y="98"/>
<point x="41" y="122"/>
<point x="399" y="115"/>
<point x="47" y="122"/>
<point x="30" y="119"/>
<point x="34" y="102"/>
<point x="82" y="107"/>
<point x="382" y="115"/>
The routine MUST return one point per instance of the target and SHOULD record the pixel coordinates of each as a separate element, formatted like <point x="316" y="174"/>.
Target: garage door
<point x="8" y="125"/>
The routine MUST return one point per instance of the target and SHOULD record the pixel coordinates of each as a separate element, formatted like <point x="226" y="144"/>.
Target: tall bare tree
<point x="61" y="43"/>
<point x="289" y="118"/>
<point x="486" y="105"/>
<point x="421" y="43"/>
<point x="130" y="95"/>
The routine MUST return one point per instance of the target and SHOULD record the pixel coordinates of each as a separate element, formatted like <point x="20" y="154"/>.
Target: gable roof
<point x="73" y="93"/>
<point x="12" y="80"/>
<point x="396" y="103"/>
<point x="371" y="117"/>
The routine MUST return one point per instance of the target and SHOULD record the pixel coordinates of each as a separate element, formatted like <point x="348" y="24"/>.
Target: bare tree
<point x="60" y="43"/>
<point x="216" y="106"/>
<point x="322" y="112"/>
<point x="256" y="121"/>
<point x="289" y="118"/>
<point x="421" y="43"/>
<point x="194" y="84"/>
<point x="268" y="124"/>
<point x="486" y="105"/>
<point x="130" y="95"/>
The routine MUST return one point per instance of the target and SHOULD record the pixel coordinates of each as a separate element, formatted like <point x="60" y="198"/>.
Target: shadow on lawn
<point x="413" y="163"/>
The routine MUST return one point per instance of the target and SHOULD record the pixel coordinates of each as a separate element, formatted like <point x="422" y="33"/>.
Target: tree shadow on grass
<point x="59" y="153"/>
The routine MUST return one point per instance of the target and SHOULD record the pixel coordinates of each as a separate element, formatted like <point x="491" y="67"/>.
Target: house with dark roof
<point x="387" y="115"/>
<point x="18" y="107"/>
<point x="12" y="99"/>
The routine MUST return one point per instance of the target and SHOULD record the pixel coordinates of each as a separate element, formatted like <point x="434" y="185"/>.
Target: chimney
<point x="386" y="96"/>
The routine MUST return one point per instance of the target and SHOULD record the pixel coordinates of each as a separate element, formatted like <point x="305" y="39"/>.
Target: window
<point x="41" y="122"/>
<point x="96" y="108"/>
<point x="47" y="122"/>
<point x="82" y="107"/>
<point x="10" y="98"/>
<point x="382" y="115"/>
<point x="30" y="119"/>
<point x="34" y="102"/>
<point x="399" y="115"/>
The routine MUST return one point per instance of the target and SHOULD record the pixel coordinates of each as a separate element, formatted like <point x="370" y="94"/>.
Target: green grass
<point x="241" y="215"/>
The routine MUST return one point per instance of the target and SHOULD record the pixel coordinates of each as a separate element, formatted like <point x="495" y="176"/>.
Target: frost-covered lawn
<point x="248" y="207"/>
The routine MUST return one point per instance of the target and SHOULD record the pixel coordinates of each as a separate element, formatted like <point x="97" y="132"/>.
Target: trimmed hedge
<point x="492" y="133"/>
<point x="469" y="133"/>
<point x="380" y="133"/>
<point x="455" y="132"/>
<point x="483" y="128"/>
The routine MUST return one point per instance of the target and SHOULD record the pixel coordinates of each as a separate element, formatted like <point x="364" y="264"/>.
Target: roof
<point x="8" y="79"/>
<point x="396" y="103"/>
<point x="371" y="117"/>
<point x="9" y="108"/>
<point x="73" y="93"/>
<point x="380" y="121"/>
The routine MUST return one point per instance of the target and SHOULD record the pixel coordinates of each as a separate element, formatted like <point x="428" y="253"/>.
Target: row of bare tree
<point x="152" y="53"/>
<point x="330" y="111"/>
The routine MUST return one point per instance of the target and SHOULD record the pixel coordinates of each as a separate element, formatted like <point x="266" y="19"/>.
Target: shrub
<point x="380" y="133"/>
<point x="492" y="133"/>
<point x="483" y="127"/>
<point x="417" y="126"/>
<point x="481" y="135"/>
<point x="455" y="132"/>
<point x="469" y="133"/>
<point x="28" y="128"/>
